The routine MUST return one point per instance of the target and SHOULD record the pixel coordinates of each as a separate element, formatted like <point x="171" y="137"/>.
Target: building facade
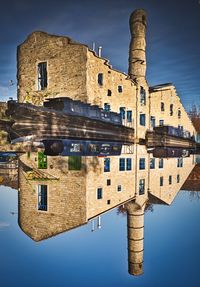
<point x="55" y="66"/>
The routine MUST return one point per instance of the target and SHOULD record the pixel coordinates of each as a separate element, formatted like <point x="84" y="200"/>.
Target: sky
<point x="173" y="36"/>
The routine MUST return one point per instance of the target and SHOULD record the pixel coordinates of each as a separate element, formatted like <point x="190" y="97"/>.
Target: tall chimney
<point x="135" y="224"/>
<point x="137" y="53"/>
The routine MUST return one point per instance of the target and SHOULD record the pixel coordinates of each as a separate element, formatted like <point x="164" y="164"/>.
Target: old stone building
<point x="56" y="66"/>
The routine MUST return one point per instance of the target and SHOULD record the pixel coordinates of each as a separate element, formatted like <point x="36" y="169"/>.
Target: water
<point x="83" y="258"/>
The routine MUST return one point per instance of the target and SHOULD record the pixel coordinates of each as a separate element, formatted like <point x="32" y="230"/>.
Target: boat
<point x="38" y="123"/>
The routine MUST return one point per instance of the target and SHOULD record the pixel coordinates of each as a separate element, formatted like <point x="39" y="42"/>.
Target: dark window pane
<point x="129" y="116"/>
<point x="107" y="107"/>
<point x="153" y="121"/>
<point x="142" y="119"/>
<point x="152" y="163"/>
<point x="141" y="186"/>
<point x="100" y="79"/>
<point x="119" y="188"/>
<point x="122" y="112"/>
<point x="42" y="76"/>
<point x="171" y="110"/>
<point x="142" y="163"/>
<point x="161" y="181"/>
<point x="109" y="94"/>
<point x="161" y="163"/>
<point x="142" y="96"/>
<point x="42" y="197"/>
<point x="162" y="106"/>
<point x="122" y="164"/>
<point x="120" y="89"/>
<point x="106" y="164"/>
<point x="128" y="164"/>
<point x="161" y="123"/>
<point x="108" y="182"/>
<point x="99" y="193"/>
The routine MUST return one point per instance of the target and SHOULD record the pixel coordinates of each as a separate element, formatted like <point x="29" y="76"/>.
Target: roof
<point x="160" y="87"/>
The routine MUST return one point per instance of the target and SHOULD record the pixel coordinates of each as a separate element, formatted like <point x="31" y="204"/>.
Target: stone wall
<point x="66" y="198"/>
<point x="66" y="68"/>
<point x="168" y="96"/>
<point x="168" y="192"/>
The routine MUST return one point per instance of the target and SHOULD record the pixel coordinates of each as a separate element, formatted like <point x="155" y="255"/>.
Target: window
<point x="178" y="178"/>
<point x="142" y="96"/>
<point x="108" y="201"/>
<point x="94" y="147"/>
<point x="171" y="109"/>
<point x="42" y="76"/>
<point x="129" y="116"/>
<point x="109" y="93"/>
<point x="120" y="89"/>
<point x="141" y="186"/>
<point x="122" y="164"/>
<point x="42" y="160"/>
<point x="179" y="113"/>
<point x="125" y="164"/>
<point x="106" y="107"/>
<point x="161" y="163"/>
<point x="142" y="119"/>
<point x="100" y="79"/>
<point x="108" y="181"/>
<point x="42" y="197"/>
<point x="152" y="163"/>
<point x="128" y="164"/>
<point x="161" y="123"/>
<point x="162" y="106"/>
<point x="106" y="164"/>
<point x="161" y="181"/>
<point x="74" y="162"/>
<point x="180" y="162"/>
<point x="153" y="121"/>
<point x="75" y="147"/>
<point x="119" y="188"/>
<point x="122" y="112"/>
<point x="142" y="163"/>
<point x="170" y="179"/>
<point x="99" y="193"/>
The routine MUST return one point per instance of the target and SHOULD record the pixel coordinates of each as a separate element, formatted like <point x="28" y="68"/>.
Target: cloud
<point x="4" y="225"/>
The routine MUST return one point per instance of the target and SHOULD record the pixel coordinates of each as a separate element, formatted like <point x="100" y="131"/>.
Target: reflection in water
<point x="57" y="194"/>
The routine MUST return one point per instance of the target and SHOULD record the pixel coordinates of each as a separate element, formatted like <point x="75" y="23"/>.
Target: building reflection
<point x="67" y="192"/>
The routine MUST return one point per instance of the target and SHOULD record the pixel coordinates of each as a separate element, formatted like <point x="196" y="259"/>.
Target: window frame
<point x="100" y="79"/>
<point x="142" y="163"/>
<point x="142" y="96"/>
<point x="106" y="167"/>
<point x="42" y="76"/>
<point x="99" y="193"/>
<point x="122" y="163"/>
<point x="143" y="120"/>
<point x="42" y="197"/>
<point x="142" y="186"/>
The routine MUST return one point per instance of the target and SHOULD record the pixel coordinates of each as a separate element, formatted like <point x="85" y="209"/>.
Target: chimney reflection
<point x="135" y="231"/>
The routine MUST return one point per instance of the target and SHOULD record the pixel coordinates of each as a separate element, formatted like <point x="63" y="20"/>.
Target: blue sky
<point x="173" y="36"/>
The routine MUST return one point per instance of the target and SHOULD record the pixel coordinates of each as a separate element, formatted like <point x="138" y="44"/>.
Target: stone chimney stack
<point x="137" y="49"/>
<point x="135" y="223"/>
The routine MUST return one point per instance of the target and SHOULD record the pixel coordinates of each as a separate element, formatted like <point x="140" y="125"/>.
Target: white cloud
<point x="4" y="225"/>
